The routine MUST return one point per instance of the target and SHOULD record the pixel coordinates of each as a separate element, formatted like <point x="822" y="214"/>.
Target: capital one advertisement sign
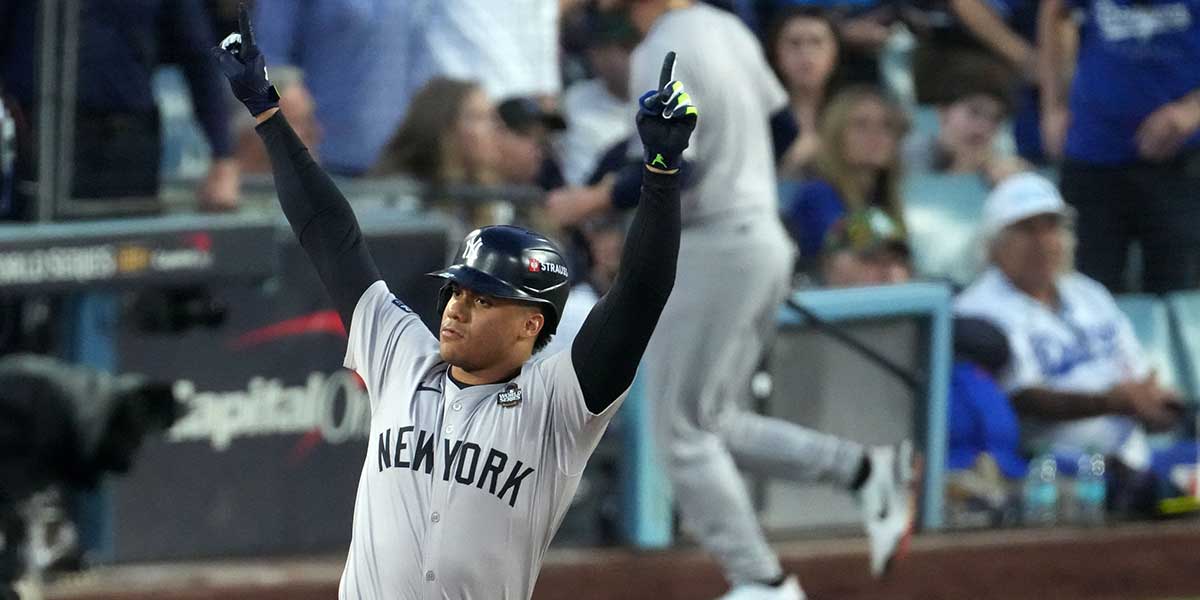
<point x="267" y="459"/>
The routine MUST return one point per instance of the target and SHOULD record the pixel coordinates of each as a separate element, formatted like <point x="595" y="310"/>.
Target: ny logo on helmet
<point x="471" y="252"/>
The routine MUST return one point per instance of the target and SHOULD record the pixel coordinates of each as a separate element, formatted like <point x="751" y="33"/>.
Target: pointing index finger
<point x="668" y="70"/>
<point x="244" y="26"/>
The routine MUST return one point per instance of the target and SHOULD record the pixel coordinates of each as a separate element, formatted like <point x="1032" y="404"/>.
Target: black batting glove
<point x="665" y="120"/>
<point x="246" y="68"/>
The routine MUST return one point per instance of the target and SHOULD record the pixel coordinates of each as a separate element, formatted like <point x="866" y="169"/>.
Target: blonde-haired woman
<point x="858" y="166"/>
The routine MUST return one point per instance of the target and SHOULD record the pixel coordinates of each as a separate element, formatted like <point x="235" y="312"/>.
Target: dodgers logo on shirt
<point x="1057" y="358"/>
<point x="510" y="397"/>
<point x="1141" y="22"/>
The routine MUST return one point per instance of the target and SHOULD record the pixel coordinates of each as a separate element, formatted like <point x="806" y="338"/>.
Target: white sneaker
<point x="788" y="590"/>
<point x="888" y="504"/>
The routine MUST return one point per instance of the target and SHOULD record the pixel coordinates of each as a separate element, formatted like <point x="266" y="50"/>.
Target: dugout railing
<point x="647" y="495"/>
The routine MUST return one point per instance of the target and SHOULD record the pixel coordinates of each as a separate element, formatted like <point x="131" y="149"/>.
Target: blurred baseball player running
<point x="475" y="450"/>
<point x="734" y="271"/>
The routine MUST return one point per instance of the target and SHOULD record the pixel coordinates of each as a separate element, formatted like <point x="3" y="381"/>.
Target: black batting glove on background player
<point x="666" y="120"/>
<point x="246" y="68"/>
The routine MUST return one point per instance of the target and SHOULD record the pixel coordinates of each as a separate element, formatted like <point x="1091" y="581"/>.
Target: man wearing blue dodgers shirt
<point x="475" y="450"/>
<point x="369" y="50"/>
<point x="1130" y="161"/>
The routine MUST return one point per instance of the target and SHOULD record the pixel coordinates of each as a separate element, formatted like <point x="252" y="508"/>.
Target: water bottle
<point x="1090" y="490"/>
<point x="1041" y="492"/>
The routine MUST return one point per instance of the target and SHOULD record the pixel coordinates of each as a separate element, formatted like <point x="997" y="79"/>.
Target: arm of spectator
<point x="1055" y="405"/>
<point x="1164" y="132"/>
<point x="999" y="168"/>
<point x="191" y="32"/>
<point x="1053" y="52"/>
<point x="867" y="32"/>
<point x="569" y="206"/>
<point x="619" y="190"/>
<point x="990" y="29"/>
<point x="1141" y="399"/>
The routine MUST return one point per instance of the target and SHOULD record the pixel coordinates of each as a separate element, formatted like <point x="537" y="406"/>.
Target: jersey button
<point x="458" y="406"/>
<point x="429" y="576"/>
<point x="435" y="517"/>
<point x="449" y="429"/>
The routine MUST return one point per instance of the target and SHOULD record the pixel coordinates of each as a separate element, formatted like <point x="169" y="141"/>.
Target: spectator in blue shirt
<point x="1128" y="135"/>
<point x="982" y="420"/>
<point x="858" y="166"/>
<point x="117" y="134"/>
<point x="370" y="50"/>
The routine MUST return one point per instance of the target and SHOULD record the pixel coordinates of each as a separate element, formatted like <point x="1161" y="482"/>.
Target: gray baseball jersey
<point x="735" y="262"/>
<point x="462" y="489"/>
<point x="726" y="73"/>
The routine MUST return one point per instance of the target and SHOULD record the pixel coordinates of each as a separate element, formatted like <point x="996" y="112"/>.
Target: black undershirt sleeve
<point x="613" y="338"/>
<point x="320" y="216"/>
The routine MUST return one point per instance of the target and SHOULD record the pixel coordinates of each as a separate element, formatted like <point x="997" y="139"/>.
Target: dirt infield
<point x="1131" y="562"/>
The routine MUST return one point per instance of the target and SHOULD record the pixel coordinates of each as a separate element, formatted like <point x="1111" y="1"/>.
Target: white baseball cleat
<point x="788" y="590"/>
<point x="888" y="504"/>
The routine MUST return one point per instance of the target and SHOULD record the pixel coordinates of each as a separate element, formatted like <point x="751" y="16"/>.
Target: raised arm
<point x="317" y="211"/>
<point x="982" y="20"/>
<point x="612" y="340"/>
<point x="1052" y="56"/>
<point x="190" y="32"/>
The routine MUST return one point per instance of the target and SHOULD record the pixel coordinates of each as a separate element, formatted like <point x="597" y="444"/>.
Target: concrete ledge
<point x="1127" y="562"/>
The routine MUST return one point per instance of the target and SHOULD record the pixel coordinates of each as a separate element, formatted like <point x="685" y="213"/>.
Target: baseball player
<point x="475" y="451"/>
<point x="734" y="271"/>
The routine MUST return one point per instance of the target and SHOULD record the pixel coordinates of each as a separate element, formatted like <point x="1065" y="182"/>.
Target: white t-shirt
<point x="595" y="121"/>
<point x="1087" y="346"/>
<point x="462" y="489"/>
<point x="724" y="70"/>
<point x="510" y="47"/>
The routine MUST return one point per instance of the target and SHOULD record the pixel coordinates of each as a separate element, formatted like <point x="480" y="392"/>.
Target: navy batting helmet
<point x="510" y="262"/>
